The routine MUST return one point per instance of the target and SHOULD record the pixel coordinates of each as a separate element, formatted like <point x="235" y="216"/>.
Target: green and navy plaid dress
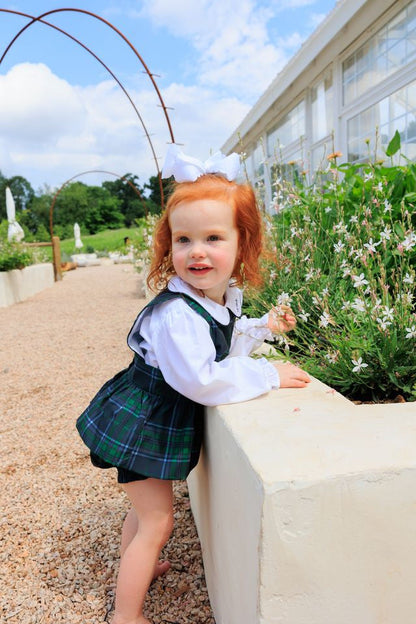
<point x="138" y="422"/>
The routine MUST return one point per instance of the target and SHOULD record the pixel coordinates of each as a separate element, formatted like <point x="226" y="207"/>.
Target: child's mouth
<point x="200" y="270"/>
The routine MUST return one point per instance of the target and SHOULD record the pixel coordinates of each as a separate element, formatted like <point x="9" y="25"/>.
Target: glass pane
<point x="390" y="49"/>
<point x="396" y="112"/>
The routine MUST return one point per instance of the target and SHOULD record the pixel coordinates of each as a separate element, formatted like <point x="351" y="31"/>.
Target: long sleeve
<point x="249" y="335"/>
<point x="178" y="342"/>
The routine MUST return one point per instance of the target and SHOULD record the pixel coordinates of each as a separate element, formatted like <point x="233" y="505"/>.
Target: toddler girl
<point x="191" y="349"/>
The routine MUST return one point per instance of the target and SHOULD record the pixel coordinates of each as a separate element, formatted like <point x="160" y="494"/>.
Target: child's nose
<point x="197" y="250"/>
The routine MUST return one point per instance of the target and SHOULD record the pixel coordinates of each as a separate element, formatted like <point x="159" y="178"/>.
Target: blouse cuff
<point x="271" y="374"/>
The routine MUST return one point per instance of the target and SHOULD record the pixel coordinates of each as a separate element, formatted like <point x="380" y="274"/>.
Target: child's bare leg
<point x="129" y="530"/>
<point x="152" y="502"/>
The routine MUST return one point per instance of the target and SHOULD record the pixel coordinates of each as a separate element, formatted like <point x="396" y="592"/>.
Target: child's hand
<point x="281" y="319"/>
<point x="291" y="376"/>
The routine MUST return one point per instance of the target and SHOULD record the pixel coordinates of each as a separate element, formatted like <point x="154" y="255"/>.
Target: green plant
<point x="14" y="256"/>
<point x="343" y="255"/>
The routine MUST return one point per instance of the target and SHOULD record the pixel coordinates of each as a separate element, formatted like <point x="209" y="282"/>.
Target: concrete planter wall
<point x="19" y="284"/>
<point x="305" y="506"/>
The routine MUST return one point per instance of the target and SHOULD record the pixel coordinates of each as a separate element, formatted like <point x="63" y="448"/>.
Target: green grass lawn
<point x="105" y="241"/>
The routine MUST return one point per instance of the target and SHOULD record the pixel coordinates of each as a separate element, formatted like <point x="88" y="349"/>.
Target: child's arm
<point x="180" y="341"/>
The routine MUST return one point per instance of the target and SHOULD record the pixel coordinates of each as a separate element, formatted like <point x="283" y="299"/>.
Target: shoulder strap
<point x="220" y="334"/>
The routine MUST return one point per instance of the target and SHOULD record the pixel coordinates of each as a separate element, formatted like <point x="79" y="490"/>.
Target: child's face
<point x="204" y="245"/>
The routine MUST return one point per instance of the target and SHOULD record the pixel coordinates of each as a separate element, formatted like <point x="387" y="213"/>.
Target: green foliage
<point x="14" y="256"/>
<point x="21" y="190"/>
<point x="112" y="205"/>
<point x="343" y="255"/>
<point x="153" y="186"/>
<point x="133" y="204"/>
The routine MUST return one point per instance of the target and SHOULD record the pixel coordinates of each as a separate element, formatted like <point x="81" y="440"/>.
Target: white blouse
<point x="177" y="340"/>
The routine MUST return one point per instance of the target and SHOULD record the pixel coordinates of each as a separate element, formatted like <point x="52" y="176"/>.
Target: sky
<point x="64" y="113"/>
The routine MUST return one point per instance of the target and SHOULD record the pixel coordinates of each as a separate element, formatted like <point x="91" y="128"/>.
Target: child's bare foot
<point x="161" y="568"/>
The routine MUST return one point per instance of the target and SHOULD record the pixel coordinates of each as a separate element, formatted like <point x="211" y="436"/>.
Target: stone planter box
<point x="19" y="284"/>
<point x="305" y="507"/>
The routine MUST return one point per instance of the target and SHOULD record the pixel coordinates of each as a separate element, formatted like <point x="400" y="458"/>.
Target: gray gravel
<point x="60" y="517"/>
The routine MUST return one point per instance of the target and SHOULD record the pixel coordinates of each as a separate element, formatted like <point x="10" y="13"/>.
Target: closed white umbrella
<point x="77" y="236"/>
<point x="15" y="231"/>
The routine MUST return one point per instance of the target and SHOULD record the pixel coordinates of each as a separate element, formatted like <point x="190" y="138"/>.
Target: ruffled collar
<point x="233" y="299"/>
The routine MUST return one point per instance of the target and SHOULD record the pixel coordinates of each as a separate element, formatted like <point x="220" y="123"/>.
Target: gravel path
<point x="60" y="517"/>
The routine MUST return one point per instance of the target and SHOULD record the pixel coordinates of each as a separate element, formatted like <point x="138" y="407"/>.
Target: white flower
<point x="388" y="313"/>
<point x="411" y="331"/>
<point x="346" y="269"/>
<point x="358" y="304"/>
<point x="304" y="316"/>
<point x="406" y="297"/>
<point x="385" y="234"/>
<point x="358" y="365"/>
<point x="309" y="275"/>
<point x="339" y="246"/>
<point x="328" y="209"/>
<point x="324" y="320"/>
<point x="284" y="299"/>
<point x="408" y="279"/>
<point x="354" y="219"/>
<point x="383" y="323"/>
<point x="346" y="305"/>
<point x="325" y="292"/>
<point x="340" y="227"/>
<point x="359" y="280"/>
<point x="379" y="187"/>
<point x="387" y="205"/>
<point x="371" y="246"/>
<point x="332" y="357"/>
<point x="409" y="242"/>
<point x="368" y="176"/>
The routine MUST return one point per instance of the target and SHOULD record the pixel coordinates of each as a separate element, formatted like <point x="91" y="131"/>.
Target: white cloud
<point x="230" y="37"/>
<point x="50" y="130"/>
<point x="51" y="99"/>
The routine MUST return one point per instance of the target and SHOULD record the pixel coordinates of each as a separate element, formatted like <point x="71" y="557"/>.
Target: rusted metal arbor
<point x="40" y="18"/>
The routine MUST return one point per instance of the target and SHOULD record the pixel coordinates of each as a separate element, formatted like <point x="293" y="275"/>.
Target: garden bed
<point x="19" y="284"/>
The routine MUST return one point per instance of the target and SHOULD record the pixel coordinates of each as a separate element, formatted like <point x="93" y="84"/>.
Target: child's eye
<point x="183" y="239"/>
<point x="214" y="237"/>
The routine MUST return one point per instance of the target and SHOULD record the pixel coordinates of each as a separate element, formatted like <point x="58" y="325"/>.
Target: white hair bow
<point x="187" y="169"/>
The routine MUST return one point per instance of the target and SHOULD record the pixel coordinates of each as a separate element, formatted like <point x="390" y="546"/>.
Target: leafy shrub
<point x="14" y="256"/>
<point x="343" y="255"/>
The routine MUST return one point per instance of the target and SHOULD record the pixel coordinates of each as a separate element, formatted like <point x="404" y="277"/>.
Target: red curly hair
<point x="248" y="222"/>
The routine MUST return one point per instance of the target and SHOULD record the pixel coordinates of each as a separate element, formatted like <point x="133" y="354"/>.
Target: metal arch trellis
<point x="40" y="19"/>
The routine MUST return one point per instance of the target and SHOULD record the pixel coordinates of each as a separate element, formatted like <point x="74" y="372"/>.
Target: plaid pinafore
<point x="138" y="422"/>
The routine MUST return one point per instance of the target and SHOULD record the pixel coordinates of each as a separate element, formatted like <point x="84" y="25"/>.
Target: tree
<point x="22" y="192"/>
<point x="36" y="218"/>
<point x="154" y="187"/>
<point x="103" y="211"/>
<point x="133" y="204"/>
<point x="71" y="204"/>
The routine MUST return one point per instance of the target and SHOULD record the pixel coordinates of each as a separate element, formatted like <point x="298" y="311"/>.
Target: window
<point x="392" y="48"/>
<point x="289" y="129"/>
<point x="395" y="112"/>
<point x="322" y="105"/>
<point x="258" y="160"/>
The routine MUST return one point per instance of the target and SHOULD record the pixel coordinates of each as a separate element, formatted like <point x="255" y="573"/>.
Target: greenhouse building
<point x="346" y="92"/>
